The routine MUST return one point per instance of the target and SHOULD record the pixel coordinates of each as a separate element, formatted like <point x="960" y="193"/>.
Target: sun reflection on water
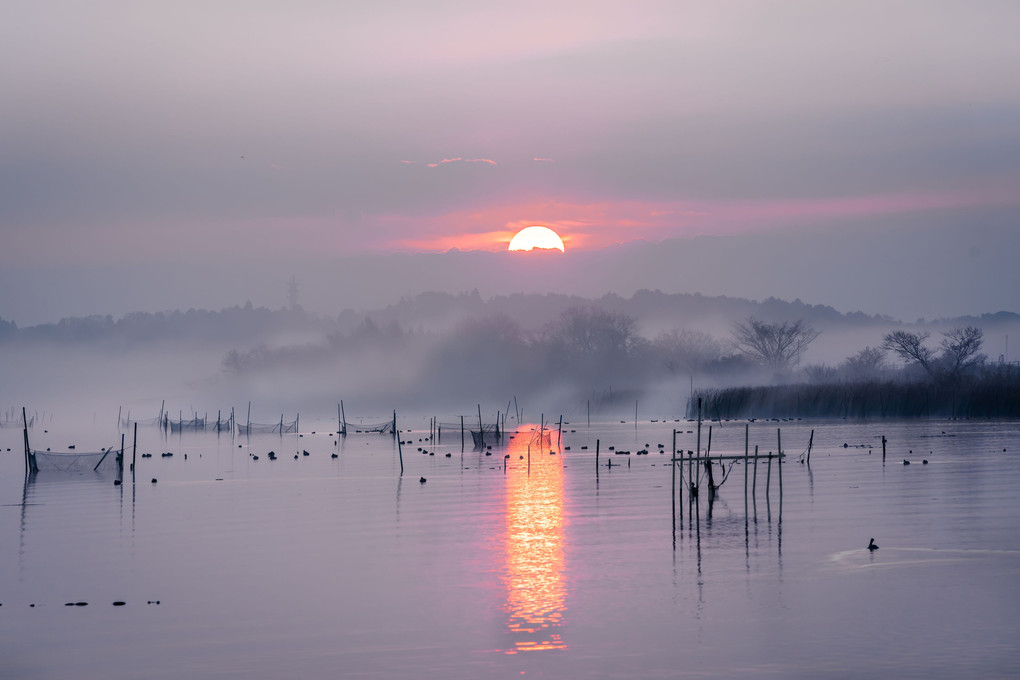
<point x="534" y="542"/>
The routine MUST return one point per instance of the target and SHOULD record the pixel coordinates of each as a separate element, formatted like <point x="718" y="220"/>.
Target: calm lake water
<point x="321" y="567"/>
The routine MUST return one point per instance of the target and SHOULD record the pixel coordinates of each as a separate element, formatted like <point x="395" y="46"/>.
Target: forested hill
<point x="435" y="312"/>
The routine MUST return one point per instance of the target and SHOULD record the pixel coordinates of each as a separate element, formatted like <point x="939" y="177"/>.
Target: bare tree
<point x="866" y="364"/>
<point x="686" y="350"/>
<point x="960" y="348"/>
<point x="910" y="347"/>
<point x="774" y="345"/>
<point x="593" y="331"/>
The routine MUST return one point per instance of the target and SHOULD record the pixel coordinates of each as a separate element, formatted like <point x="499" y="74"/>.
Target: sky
<point x="190" y="138"/>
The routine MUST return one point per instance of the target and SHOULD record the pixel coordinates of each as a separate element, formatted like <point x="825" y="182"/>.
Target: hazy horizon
<point x="185" y="155"/>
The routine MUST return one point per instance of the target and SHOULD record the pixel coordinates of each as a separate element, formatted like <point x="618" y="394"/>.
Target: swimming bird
<point x="422" y="480"/>
<point x="872" y="546"/>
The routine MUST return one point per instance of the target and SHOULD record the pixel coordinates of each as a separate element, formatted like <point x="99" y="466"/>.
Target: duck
<point x="422" y="480"/>
<point x="872" y="546"/>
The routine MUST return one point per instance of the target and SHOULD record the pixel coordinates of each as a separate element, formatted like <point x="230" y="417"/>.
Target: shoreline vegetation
<point x="744" y="359"/>
<point x="993" y="394"/>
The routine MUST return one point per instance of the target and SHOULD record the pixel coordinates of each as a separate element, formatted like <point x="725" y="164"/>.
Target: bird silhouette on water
<point x="872" y="546"/>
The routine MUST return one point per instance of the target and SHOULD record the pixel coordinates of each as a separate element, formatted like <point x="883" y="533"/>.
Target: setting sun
<point x="536" y="237"/>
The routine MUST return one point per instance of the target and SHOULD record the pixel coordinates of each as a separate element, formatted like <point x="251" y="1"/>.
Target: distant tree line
<point x="951" y="380"/>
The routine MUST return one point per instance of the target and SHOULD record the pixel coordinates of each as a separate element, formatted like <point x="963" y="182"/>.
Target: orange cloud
<point x="462" y="160"/>
<point x="600" y="223"/>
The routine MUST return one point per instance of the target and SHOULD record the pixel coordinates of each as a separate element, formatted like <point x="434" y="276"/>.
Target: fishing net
<point x="381" y="428"/>
<point x="279" y="427"/>
<point x="196" y="424"/>
<point x="106" y="460"/>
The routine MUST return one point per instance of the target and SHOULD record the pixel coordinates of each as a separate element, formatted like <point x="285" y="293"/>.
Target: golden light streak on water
<point x="534" y="537"/>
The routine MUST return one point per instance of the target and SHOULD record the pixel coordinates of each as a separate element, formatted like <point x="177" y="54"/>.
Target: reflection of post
<point x="534" y="553"/>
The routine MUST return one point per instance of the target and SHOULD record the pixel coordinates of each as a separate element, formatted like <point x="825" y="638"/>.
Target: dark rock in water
<point x="118" y="603"/>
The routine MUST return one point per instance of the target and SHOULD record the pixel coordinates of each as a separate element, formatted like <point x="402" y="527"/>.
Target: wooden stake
<point x="697" y="452"/>
<point x="134" y="449"/>
<point x="779" y="445"/>
<point x="754" y="482"/>
<point x="811" y="440"/>
<point x="400" y="448"/>
<point x="747" y="435"/>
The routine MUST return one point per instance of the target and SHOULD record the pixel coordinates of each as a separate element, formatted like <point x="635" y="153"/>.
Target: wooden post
<point x="343" y="417"/>
<point x="779" y="445"/>
<point x="119" y="408"/>
<point x="754" y="482"/>
<point x="462" y="434"/>
<point x="559" y="434"/>
<point x="30" y="465"/>
<point x="747" y="435"/>
<point x="811" y="440"/>
<point x="697" y="453"/>
<point x="281" y="424"/>
<point x="400" y="448"/>
<point x="339" y="423"/>
<point x="672" y="464"/>
<point x="162" y="404"/>
<point x="481" y="428"/>
<point x="134" y="449"/>
<point x="883" y="448"/>
<point x="768" y="478"/>
<point x="596" y="455"/>
<point x="517" y="410"/>
<point x="120" y="461"/>
<point x="248" y="429"/>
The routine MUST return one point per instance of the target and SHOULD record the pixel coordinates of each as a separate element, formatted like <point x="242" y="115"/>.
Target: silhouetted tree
<point x="910" y="347"/>
<point x="687" y="351"/>
<point x="592" y="331"/>
<point x="960" y="349"/>
<point x="866" y="364"/>
<point x="773" y="345"/>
